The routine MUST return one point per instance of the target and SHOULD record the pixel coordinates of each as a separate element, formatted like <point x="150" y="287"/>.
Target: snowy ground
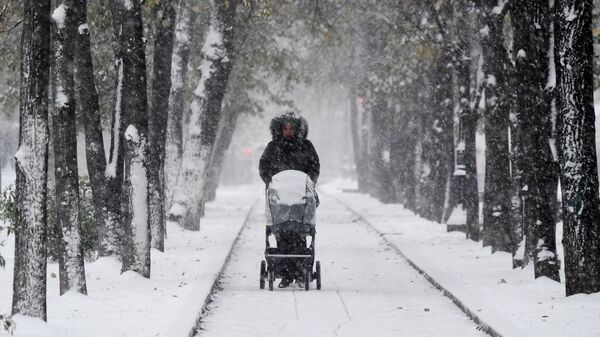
<point x="129" y="305"/>
<point x="510" y="301"/>
<point x="368" y="289"/>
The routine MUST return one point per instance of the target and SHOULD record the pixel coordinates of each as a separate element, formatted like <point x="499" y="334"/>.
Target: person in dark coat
<point x="289" y="150"/>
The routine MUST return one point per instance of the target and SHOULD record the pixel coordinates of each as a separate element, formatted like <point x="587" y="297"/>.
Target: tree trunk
<point x="497" y="70"/>
<point x="376" y="106"/>
<point x="161" y="85"/>
<point x="29" y="283"/>
<point x="364" y="131"/>
<point x="576" y="145"/>
<point x="355" y="130"/>
<point x="134" y="198"/>
<point x="532" y="44"/>
<point x="135" y="212"/>
<point x="380" y="148"/>
<point x="224" y="137"/>
<point x="429" y="204"/>
<point x="216" y="66"/>
<point x="522" y="95"/>
<point x="184" y="29"/>
<point x="70" y="256"/>
<point x="400" y="121"/>
<point x="87" y="98"/>
<point x="111" y="242"/>
<point x="403" y="151"/>
<point x="443" y="131"/>
<point x="422" y="148"/>
<point x="471" y="190"/>
<point x="468" y="120"/>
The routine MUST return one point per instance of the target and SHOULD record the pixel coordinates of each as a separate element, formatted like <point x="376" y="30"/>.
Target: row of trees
<point x="431" y="74"/>
<point x="153" y="169"/>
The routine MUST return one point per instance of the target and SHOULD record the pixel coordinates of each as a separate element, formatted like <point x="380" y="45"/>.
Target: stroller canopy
<point x="291" y="197"/>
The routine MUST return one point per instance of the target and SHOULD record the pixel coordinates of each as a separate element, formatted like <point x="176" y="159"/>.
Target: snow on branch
<point x="111" y="168"/>
<point x="23" y="155"/>
<point x="570" y="13"/>
<point x="59" y="15"/>
<point x="83" y="29"/>
<point x="61" y="98"/>
<point x="213" y="45"/>
<point x="499" y="8"/>
<point x="213" y="50"/>
<point x="128" y="4"/>
<point x="132" y="134"/>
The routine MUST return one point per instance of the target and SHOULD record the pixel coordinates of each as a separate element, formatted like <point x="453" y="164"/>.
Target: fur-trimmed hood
<point x="291" y="117"/>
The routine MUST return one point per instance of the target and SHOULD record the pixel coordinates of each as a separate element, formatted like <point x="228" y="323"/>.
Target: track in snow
<point x="368" y="290"/>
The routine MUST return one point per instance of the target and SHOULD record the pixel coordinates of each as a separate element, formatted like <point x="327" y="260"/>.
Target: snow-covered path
<point x="368" y="290"/>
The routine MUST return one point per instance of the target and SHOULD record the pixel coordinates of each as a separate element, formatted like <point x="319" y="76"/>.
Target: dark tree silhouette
<point x="576" y="144"/>
<point x="70" y="257"/>
<point x="29" y="284"/>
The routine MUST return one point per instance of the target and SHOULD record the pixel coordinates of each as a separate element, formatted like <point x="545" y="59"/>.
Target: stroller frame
<point x="302" y="259"/>
<point x="273" y="267"/>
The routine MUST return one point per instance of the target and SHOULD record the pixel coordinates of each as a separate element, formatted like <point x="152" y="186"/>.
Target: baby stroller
<point x="290" y="212"/>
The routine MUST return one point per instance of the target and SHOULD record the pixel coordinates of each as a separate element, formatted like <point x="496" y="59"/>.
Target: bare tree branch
<point x="13" y="27"/>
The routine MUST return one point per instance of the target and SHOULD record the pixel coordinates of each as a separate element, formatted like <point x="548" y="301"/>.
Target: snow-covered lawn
<point x="510" y="301"/>
<point x="126" y="304"/>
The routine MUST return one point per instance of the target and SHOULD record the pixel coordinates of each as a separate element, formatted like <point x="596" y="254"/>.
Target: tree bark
<point x="376" y="105"/>
<point x="87" y="98"/>
<point x="532" y="44"/>
<point x="471" y="190"/>
<point x="184" y="30"/>
<point x="216" y="66"/>
<point x="429" y="204"/>
<point x="364" y="132"/>
<point x="161" y="86"/>
<point x="443" y="132"/>
<point x="355" y="130"/>
<point x="497" y="70"/>
<point x="70" y="256"/>
<point x="134" y="211"/>
<point x="224" y="137"/>
<point x="111" y="242"/>
<point x="576" y="145"/>
<point x="29" y="283"/>
<point x="402" y="155"/>
<point x="468" y="120"/>
<point x="382" y="187"/>
<point x="422" y="165"/>
<point x="522" y="95"/>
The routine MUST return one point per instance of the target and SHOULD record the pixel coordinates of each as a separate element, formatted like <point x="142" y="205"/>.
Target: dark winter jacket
<point x="295" y="154"/>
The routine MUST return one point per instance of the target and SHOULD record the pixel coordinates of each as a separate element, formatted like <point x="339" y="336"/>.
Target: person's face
<point x="289" y="131"/>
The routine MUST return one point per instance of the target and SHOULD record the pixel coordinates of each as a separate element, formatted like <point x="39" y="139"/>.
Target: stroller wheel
<point x="318" y="274"/>
<point x="307" y="273"/>
<point x="263" y="273"/>
<point x="271" y="279"/>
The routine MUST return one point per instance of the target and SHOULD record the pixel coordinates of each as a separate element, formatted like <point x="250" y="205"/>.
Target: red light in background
<point x="361" y="101"/>
<point x="246" y="152"/>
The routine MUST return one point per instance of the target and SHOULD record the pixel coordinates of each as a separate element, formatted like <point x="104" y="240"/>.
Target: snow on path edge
<point x="485" y="327"/>
<point x="193" y="309"/>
